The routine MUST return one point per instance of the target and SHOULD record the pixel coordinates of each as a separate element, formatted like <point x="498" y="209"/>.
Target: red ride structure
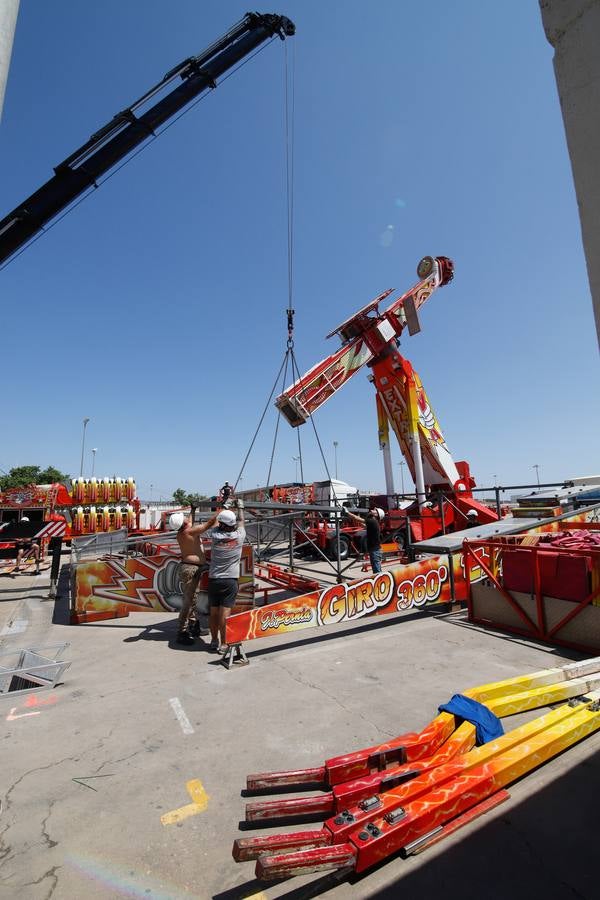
<point x="371" y="338"/>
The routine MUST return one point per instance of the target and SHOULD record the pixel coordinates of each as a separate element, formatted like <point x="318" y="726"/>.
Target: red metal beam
<point x="306" y="862"/>
<point x="251" y="848"/>
<point x="469" y="552"/>
<point x="460" y="821"/>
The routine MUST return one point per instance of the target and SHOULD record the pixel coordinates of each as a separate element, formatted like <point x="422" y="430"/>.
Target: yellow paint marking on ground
<point x="199" y="803"/>
<point x="260" y="896"/>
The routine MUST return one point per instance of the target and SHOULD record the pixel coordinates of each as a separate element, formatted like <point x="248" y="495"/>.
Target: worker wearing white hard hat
<point x="227" y="534"/>
<point x="373" y="535"/>
<point x="176" y="520"/>
<point x="193" y="563"/>
<point x="227" y="518"/>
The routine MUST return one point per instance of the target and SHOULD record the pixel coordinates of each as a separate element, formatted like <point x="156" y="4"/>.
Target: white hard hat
<point x="472" y="513"/>
<point x="24" y="518"/>
<point x="176" y="520"/>
<point x="226" y="517"/>
<point x="379" y="512"/>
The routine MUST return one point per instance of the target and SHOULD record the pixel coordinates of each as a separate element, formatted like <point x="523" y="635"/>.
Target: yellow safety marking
<point x="260" y="896"/>
<point x="199" y="803"/>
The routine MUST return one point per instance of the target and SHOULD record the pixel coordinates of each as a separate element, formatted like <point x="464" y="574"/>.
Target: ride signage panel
<point x="417" y="585"/>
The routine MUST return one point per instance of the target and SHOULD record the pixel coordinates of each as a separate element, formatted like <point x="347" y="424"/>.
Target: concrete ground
<point x="88" y="772"/>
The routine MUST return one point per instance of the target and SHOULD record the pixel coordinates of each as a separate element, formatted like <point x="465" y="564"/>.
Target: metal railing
<point x="89" y="546"/>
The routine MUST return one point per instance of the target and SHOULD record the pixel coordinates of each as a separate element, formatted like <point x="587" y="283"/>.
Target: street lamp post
<point x="85" y="421"/>
<point x="402" y="464"/>
<point x="296" y="459"/>
<point x="335" y="446"/>
<point x="94" y="451"/>
<point x="537" y="473"/>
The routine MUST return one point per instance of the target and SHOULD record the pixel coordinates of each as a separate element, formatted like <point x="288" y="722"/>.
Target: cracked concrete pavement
<point x="88" y="773"/>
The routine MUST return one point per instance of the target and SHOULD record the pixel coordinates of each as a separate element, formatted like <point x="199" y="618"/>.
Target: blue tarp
<point x="488" y="727"/>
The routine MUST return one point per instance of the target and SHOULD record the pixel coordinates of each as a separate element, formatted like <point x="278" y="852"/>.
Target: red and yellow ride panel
<point x="114" y="586"/>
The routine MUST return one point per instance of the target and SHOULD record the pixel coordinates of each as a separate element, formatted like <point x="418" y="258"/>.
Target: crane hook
<point x="290" y="327"/>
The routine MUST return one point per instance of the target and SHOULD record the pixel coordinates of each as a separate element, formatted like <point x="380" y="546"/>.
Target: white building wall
<point x="8" y="20"/>
<point x="573" y="29"/>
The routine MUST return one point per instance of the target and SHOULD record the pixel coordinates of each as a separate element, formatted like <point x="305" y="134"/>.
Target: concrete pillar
<point x="573" y="29"/>
<point x="8" y="20"/>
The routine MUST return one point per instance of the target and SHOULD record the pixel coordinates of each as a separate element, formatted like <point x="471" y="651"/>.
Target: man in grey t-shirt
<point x="227" y="534"/>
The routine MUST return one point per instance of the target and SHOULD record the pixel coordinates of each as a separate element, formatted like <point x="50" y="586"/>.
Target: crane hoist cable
<point x="289" y="360"/>
<point x="289" y="177"/>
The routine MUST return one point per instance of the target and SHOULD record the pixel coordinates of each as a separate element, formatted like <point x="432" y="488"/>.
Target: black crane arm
<point x="127" y="130"/>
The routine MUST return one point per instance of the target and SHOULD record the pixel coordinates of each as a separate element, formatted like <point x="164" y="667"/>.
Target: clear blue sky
<point x="157" y="307"/>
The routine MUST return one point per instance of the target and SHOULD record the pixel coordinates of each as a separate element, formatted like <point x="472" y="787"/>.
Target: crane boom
<point x="127" y="130"/>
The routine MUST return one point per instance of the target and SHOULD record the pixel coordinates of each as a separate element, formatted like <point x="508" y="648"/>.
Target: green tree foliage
<point x="23" y="475"/>
<point x="186" y="499"/>
<point x="50" y="475"/>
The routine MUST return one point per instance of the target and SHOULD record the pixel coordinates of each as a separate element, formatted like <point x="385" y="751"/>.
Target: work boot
<point x="184" y="637"/>
<point x="214" y="646"/>
<point x="199" y="632"/>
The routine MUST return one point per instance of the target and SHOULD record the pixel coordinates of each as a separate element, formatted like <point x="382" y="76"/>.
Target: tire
<point x="400" y="538"/>
<point x="344" y="548"/>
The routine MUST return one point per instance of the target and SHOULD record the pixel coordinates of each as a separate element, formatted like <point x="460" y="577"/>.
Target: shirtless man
<point x="192" y="565"/>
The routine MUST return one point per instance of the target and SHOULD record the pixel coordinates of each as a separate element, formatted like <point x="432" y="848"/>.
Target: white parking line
<point x="15" y="627"/>
<point x="186" y="725"/>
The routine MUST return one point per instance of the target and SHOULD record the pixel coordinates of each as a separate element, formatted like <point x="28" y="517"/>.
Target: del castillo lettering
<point x="284" y="617"/>
<point x="344" y="602"/>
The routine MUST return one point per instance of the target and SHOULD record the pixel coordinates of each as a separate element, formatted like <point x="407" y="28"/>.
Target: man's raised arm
<point x="354" y="516"/>
<point x="240" y="512"/>
<point x="203" y="526"/>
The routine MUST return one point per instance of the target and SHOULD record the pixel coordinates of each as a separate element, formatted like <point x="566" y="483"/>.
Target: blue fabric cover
<point x="488" y="727"/>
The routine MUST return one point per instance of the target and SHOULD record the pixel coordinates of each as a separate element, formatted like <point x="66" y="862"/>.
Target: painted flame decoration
<point x="132" y="581"/>
<point x="427" y="417"/>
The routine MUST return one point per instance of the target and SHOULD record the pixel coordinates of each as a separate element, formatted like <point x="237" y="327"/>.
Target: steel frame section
<point x="41" y="666"/>
<point x="547" y="689"/>
<point x="418" y="813"/>
<point x="538" y="629"/>
<point x="512" y="692"/>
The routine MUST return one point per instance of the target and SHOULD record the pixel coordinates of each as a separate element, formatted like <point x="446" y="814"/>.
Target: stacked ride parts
<point x="409" y="793"/>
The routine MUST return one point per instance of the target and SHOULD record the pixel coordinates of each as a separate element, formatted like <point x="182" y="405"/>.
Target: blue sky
<point x="157" y="307"/>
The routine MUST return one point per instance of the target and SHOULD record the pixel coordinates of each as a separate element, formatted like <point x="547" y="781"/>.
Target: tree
<point x="20" y="476"/>
<point x="180" y="496"/>
<point x="191" y="500"/>
<point x="50" y="475"/>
